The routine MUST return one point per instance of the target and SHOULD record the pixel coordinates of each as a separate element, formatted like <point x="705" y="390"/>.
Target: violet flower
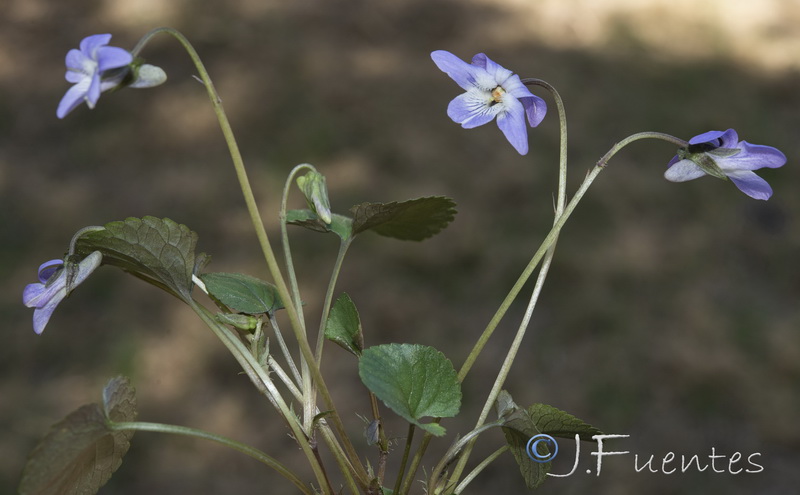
<point x="721" y="154"/>
<point x="85" y="68"/>
<point x="56" y="281"/>
<point x="491" y="91"/>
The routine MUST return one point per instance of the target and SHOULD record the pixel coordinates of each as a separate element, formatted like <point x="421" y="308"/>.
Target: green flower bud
<point x="316" y="192"/>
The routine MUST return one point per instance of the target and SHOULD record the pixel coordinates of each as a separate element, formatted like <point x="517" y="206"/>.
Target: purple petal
<point x="498" y="73"/>
<point x="91" y="43"/>
<point x="93" y="92"/>
<point x="512" y="123"/>
<point x="111" y="57"/>
<point x="535" y="108"/>
<point x="464" y="74"/>
<point x="76" y="64"/>
<point x="683" y="170"/>
<point x="42" y="315"/>
<point x="472" y="109"/>
<point x="709" y="136"/>
<point x="48" y="268"/>
<point x="675" y="159"/>
<point x="480" y="60"/>
<point x="751" y="184"/>
<point x="73" y="97"/>
<point x="755" y="156"/>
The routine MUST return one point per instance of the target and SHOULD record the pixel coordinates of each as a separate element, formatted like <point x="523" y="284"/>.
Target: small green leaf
<point x="344" y="326"/>
<point x="521" y="424"/>
<point x="412" y="220"/>
<point x="81" y="452"/>
<point x="159" y="251"/>
<point x="243" y="293"/>
<point x="340" y="225"/>
<point x="519" y="427"/>
<point x="414" y="381"/>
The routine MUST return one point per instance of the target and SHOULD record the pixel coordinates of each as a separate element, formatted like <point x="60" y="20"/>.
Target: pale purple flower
<point x="85" y="68"/>
<point x="491" y="91"/>
<point x="721" y="154"/>
<point x="56" y="281"/>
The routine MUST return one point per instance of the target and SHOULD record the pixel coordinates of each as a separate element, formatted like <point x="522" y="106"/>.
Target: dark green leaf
<point x="521" y="424"/>
<point x="81" y="452"/>
<point x="412" y="380"/>
<point x="518" y="429"/>
<point x="243" y="293"/>
<point x="159" y="251"/>
<point x="412" y="220"/>
<point x="344" y="325"/>
<point x="558" y="423"/>
<point x="340" y="225"/>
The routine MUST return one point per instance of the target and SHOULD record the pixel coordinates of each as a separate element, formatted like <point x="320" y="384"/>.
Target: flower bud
<point x="316" y="192"/>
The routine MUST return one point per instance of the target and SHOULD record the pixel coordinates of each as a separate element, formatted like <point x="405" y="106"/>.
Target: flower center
<point x="497" y="95"/>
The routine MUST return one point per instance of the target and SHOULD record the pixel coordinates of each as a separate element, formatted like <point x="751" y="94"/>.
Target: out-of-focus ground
<point x="671" y="311"/>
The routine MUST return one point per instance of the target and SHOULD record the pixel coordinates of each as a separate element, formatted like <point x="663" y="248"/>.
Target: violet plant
<point x="416" y="382"/>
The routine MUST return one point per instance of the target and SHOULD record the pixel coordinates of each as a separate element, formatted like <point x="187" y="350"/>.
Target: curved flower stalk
<point x="491" y="91"/>
<point x="721" y="154"/>
<point x="56" y="281"/>
<point x="97" y="67"/>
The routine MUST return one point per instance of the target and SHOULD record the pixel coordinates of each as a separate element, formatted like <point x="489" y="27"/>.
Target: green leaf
<point x="412" y="220"/>
<point x="519" y="427"/>
<point x="558" y="423"/>
<point x="522" y="424"/>
<point x="81" y="452"/>
<point x="414" y="381"/>
<point x="340" y="225"/>
<point x="159" y="251"/>
<point x="344" y="326"/>
<point x="243" y="293"/>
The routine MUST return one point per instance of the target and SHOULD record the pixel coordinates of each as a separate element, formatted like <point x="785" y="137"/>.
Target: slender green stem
<point x="285" y="349"/>
<point x="260" y="378"/>
<point x="243" y="448"/>
<point x="266" y="248"/>
<point x="326" y="305"/>
<point x="286" y="379"/>
<point x="309" y="404"/>
<point x="547" y="247"/>
<point x="480" y="467"/>
<point x="562" y="194"/>
<point x="415" y="462"/>
<point x="287" y="252"/>
<point x="454" y="450"/>
<point x="406" y="451"/>
<point x="517" y="342"/>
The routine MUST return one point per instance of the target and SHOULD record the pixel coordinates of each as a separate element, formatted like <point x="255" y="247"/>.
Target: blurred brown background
<point x="671" y="310"/>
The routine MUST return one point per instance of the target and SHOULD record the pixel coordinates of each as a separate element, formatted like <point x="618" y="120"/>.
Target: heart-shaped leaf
<point x="344" y="325"/>
<point x="412" y="220"/>
<point x="81" y="452"/>
<point x="157" y="250"/>
<point x="243" y="293"/>
<point x="414" y="381"/>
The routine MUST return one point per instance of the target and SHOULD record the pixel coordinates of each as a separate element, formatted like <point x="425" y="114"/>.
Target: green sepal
<point x="243" y="293"/>
<point x="412" y="220"/>
<point x="705" y="159"/>
<point x="414" y="381"/>
<point x="82" y="451"/>
<point x="157" y="250"/>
